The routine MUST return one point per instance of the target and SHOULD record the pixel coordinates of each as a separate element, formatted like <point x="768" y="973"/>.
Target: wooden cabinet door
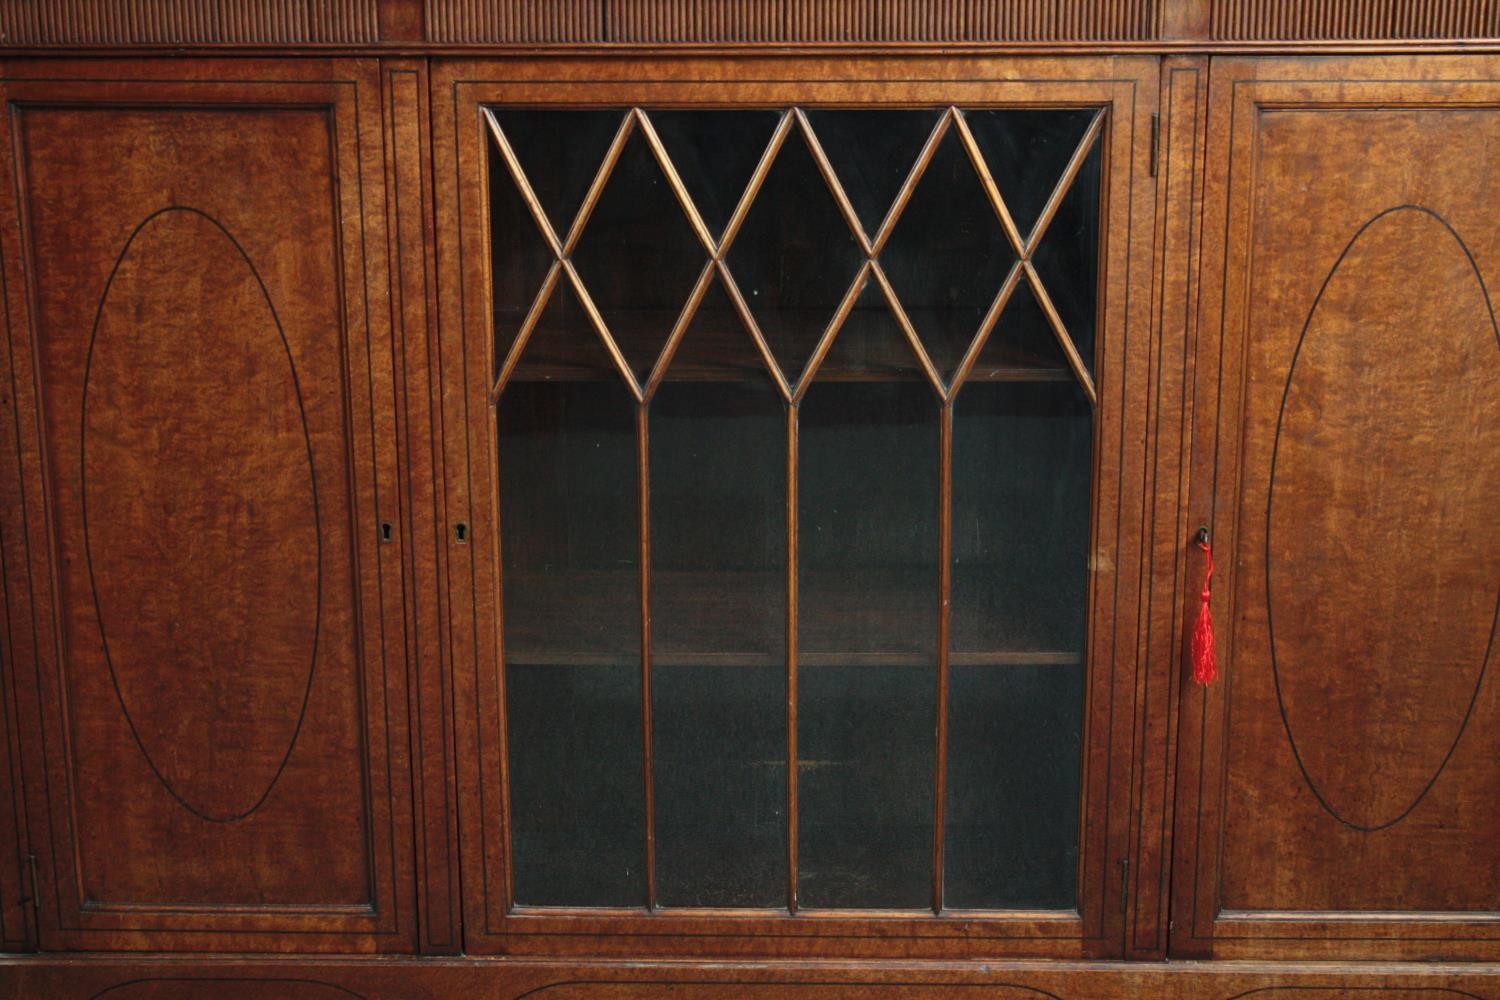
<point x="1338" y="783"/>
<point x="199" y="537"/>
<point x="798" y="609"/>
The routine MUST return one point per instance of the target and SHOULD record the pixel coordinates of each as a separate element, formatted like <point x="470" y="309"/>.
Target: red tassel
<point x="1205" y="670"/>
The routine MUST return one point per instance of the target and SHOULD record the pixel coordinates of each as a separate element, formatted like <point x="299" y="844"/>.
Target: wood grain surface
<point x="251" y="688"/>
<point x="94" y="978"/>
<point x="224" y="729"/>
<point x="1347" y="759"/>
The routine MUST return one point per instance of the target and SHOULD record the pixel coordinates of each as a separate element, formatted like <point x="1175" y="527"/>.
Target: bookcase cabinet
<point x="602" y="499"/>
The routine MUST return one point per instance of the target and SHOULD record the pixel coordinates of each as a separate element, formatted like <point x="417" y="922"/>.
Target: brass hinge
<point x="1155" y="141"/>
<point x="1124" y="884"/>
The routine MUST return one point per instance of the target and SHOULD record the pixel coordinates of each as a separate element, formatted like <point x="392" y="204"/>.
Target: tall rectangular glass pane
<point x="1022" y="458"/>
<point x="572" y="644"/>
<point x="867" y="642"/>
<point x="718" y="602"/>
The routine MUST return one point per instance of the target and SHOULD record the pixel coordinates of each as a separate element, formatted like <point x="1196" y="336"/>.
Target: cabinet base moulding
<point x="86" y="977"/>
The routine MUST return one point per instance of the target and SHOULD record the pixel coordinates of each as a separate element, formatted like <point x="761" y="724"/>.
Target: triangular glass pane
<point x="948" y="255"/>
<point x="1067" y="260"/>
<point x="564" y="347"/>
<point x="870" y="346"/>
<point x="1027" y="152"/>
<point x="872" y="153"/>
<point x="560" y="151"/>
<point x="716" y="346"/>
<point x="1022" y="346"/>
<point x="794" y="257"/>
<point x="519" y="257"/>
<point x="638" y="256"/>
<point x="715" y="152"/>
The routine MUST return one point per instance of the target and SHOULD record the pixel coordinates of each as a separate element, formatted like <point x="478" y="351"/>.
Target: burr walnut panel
<point x="219" y="730"/>
<point x="200" y="583"/>
<point x="217" y="720"/>
<point x="1354" y="733"/>
<point x="1394" y="669"/>
<point x="1367" y="557"/>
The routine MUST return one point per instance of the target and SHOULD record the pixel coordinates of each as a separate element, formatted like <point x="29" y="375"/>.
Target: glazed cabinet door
<point x="204" y="585"/>
<point x="1338" y="783"/>
<point x="796" y="463"/>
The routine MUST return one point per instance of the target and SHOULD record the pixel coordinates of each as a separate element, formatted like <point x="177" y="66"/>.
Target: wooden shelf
<point x="556" y="355"/>
<point x="737" y="620"/>
<point x="568" y="658"/>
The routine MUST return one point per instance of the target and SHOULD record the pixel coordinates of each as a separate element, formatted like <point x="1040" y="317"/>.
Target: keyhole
<point x="386" y="532"/>
<point x="461" y="533"/>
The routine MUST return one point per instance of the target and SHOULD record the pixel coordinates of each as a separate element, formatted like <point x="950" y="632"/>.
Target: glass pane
<point x="718" y="584"/>
<point x="1027" y="152"/>
<point x="519" y="257"/>
<point x="868" y="509"/>
<point x="871" y="344"/>
<point x="948" y="255"/>
<point x="864" y="759"/>
<point x="1067" y="260"/>
<point x="795" y="257"/>
<point x="564" y="346"/>
<point x="1022" y="345"/>
<point x="867" y="641"/>
<point x="1011" y="825"/>
<point x="716" y="347"/>
<point x="1021" y="469"/>
<point x="715" y="152"/>
<point x="872" y="153"/>
<point x="560" y="151"/>
<point x="638" y="256"/>
<point x="571" y="625"/>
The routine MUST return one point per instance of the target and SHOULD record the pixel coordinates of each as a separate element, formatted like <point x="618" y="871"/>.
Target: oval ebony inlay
<point x="1381" y="538"/>
<point x="200" y="514"/>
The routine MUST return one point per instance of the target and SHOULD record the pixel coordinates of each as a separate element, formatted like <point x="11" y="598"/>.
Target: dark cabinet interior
<point x="509" y="502"/>
<point x="830" y="524"/>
